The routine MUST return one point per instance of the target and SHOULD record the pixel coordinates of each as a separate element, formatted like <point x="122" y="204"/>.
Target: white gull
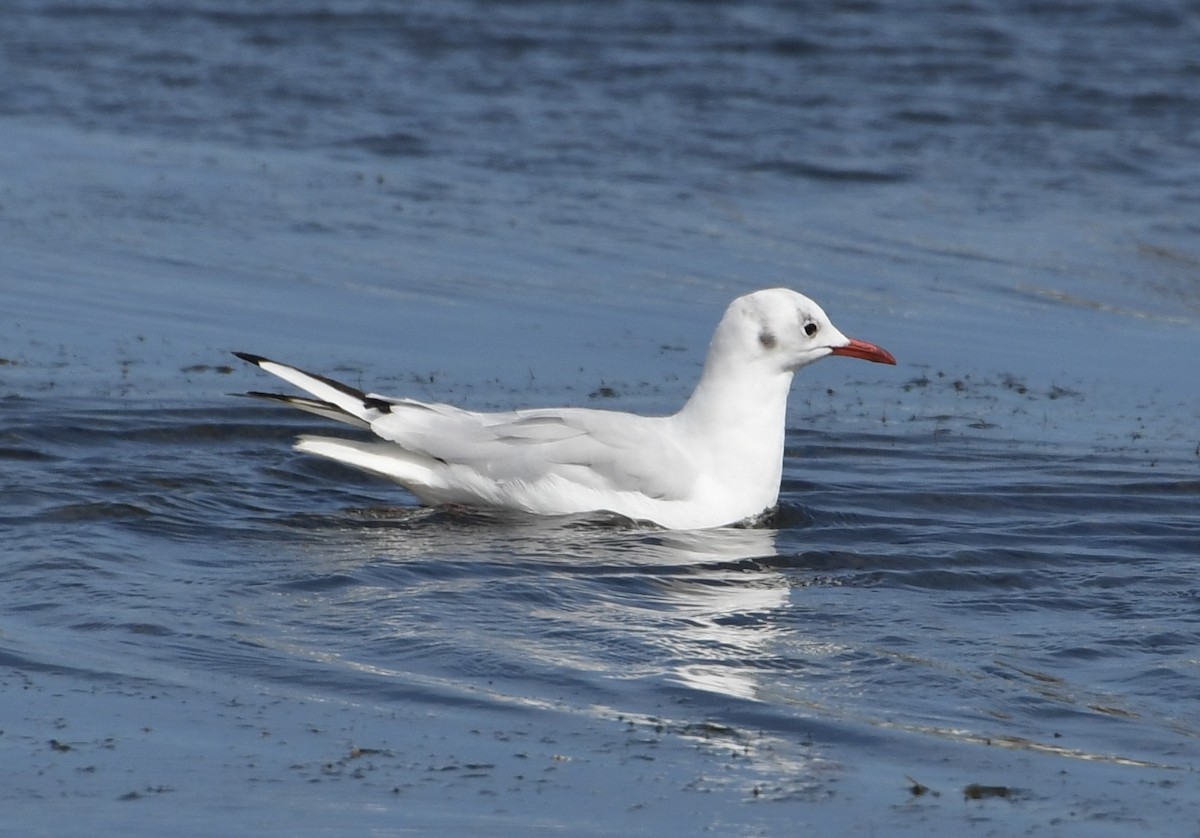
<point x="718" y="461"/>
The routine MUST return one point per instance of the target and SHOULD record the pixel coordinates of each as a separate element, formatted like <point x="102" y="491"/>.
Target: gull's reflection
<point x="721" y="613"/>
<point x="700" y="609"/>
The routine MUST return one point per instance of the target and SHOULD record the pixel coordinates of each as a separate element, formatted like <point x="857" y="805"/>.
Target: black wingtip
<point x="374" y="402"/>
<point x="257" y="394"/>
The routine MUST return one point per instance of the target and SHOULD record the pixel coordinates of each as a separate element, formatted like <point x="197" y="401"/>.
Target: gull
<point x="716" y="462"/>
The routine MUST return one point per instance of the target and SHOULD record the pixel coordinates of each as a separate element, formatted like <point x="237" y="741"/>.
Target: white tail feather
<point x="381" y="458"/>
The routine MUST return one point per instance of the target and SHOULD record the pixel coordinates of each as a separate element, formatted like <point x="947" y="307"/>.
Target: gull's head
<point x="781" y="331"/>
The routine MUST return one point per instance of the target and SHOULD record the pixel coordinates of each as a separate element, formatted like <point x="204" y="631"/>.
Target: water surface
<point x="981" y="582"/>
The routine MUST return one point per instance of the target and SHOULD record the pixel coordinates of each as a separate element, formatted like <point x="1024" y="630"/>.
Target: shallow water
<point x="981" y="581"/>
<point x="926" y="595"/>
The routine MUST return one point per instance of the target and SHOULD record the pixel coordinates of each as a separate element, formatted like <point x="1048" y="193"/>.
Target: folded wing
<point x="557" y="460"/>
<point x="596" y="450"/>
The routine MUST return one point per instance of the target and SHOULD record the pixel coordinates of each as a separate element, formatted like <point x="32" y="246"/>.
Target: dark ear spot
<point x="767" y="338"/>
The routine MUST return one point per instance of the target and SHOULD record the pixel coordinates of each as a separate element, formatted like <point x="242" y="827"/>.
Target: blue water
<point x="983" y="572"/>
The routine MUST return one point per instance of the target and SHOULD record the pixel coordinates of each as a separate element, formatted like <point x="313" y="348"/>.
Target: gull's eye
<point x="810" y="328"/>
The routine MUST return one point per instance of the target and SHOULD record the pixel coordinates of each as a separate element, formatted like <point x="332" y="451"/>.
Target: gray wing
<point x="599" y="449"/>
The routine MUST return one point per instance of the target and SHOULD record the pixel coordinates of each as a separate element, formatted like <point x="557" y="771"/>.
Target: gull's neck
<point x="736" y="419"/>
<point x="732" y="401"/>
